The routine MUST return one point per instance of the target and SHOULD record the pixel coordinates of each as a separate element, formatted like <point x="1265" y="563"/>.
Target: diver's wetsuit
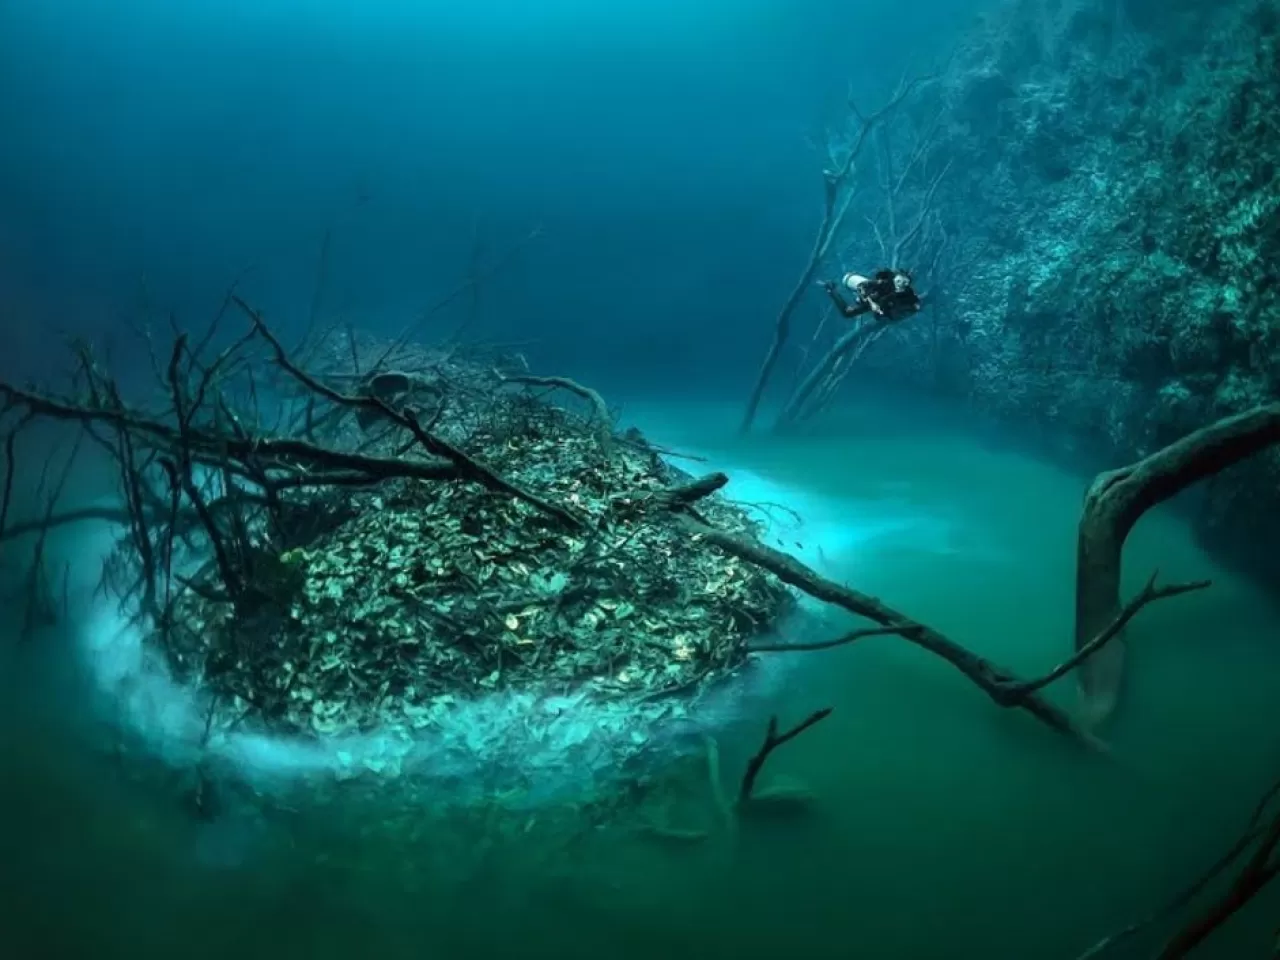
<point x="878" y="294"/>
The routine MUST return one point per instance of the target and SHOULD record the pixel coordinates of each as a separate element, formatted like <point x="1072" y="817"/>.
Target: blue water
<point x="941" y="826"/>
<point x="637" y="186"/>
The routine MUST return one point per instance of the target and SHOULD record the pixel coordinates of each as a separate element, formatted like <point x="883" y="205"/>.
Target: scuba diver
<point x="888" y="294"/>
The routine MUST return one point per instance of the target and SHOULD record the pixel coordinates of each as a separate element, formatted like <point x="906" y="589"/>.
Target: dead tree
<point x="905" y="231"/>
<point x="1116" y="500"/>
<point x="1260" y="840"/>
<point x="839" y="188"/>
<point x="211" y="497"/>
<point x="1001" y="685"/>
<point x="818" y="386"/>
<point x="35" y="595"/>
<point x="465" y="466"/>
<point x="11" y="434"/>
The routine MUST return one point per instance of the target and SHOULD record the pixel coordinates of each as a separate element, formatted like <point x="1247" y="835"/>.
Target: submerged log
<point x="1116" y="500"/>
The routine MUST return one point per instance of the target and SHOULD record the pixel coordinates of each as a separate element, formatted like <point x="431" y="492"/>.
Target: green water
<point x="943" y="826"/>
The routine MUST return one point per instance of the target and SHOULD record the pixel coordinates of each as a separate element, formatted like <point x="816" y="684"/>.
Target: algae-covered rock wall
<point x="1114" y="189"/>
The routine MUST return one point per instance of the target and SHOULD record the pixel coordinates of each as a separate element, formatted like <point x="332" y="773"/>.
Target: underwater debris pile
<point x="430" y="591"/>
<point x="365" y="548"/>
<point x="386" y="605"/>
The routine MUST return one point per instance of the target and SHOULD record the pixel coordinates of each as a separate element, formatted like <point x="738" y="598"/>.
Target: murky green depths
<point x="944" y="827"/>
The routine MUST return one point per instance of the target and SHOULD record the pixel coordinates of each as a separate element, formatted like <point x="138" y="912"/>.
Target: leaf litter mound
<point x="394" y="605"/>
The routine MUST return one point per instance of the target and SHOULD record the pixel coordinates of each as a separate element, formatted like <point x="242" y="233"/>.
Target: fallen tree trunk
<point x="1116" y="500"/>
<point x="999" y="684"/>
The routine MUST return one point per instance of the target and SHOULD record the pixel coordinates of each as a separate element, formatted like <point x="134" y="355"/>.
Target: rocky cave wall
<point x="1114" y="205"/>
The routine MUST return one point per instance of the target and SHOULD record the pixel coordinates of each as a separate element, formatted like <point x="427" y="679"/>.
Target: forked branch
<point x="772" y="741"/>
<point x="1116" y="501"/>
<point x="599" y="409"/>
<point x="836" y="202"/>
<point x="467" y="466"/>
<point x="992" y="679"/>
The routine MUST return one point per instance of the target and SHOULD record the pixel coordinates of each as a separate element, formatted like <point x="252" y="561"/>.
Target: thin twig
<point x="601" y="410"/>
<point x="1149" y="594"/>
<point x="468" y="467"/>
<point x="1253" y="832"/>
<point x="850" y="637"/>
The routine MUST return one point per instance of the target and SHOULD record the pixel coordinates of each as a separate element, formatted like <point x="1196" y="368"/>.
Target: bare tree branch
<point x="900" y="241"/>
<point x="772" y="741"/>
<point x="1115" y="502"/>
<point x="10" y="464"/>
<point x="1258" y="834"/>
<point x="834" y="211"/>
<point x="992" y="679"/>
<point x="1149" y="594"/>
<point x="851" y="636"/>
<point x="467" y="466"/>
<point x="604" y="419"/>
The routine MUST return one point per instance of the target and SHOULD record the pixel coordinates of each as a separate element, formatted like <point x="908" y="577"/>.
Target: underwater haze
<point x="424" y="427"/>
<point x="158" y="151"/>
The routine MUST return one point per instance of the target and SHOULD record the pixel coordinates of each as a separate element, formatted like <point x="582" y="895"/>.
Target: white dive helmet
<point x="901" y="282"/>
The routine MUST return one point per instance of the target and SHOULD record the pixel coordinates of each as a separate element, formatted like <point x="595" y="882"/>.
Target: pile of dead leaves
<point x="420" y="594"/>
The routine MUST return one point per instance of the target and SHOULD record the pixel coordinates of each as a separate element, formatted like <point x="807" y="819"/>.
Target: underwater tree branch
<point x="831" y="383"/>
<point x="834" y="181"/>
<point x="848" y="346"/>
<point x="1149" y="594"/>
<point x="604" y="419"/>
<point x="10" y="464"/>
<point x="471" y="469"/>
<point x="181" y="474"/>
<point x="39" y="606"/>
<point x="772" y="741"/>
<point x="122" y="516"/>
<point x="851" y="636"/>
<point x="281" y="453"/>
<point x="1116" y="500"/>
<point x="1262" y="868"/>
<point x="184" y="436"/>
<point x="132" y="484"/>
<point x="686" y="494"/>
<point x="115" y="515"/>
<point x="466" y="466"/>
<point x="1007" y="692"/>
<point x="1260" y="871"/>
<point x="992" y="679"/>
